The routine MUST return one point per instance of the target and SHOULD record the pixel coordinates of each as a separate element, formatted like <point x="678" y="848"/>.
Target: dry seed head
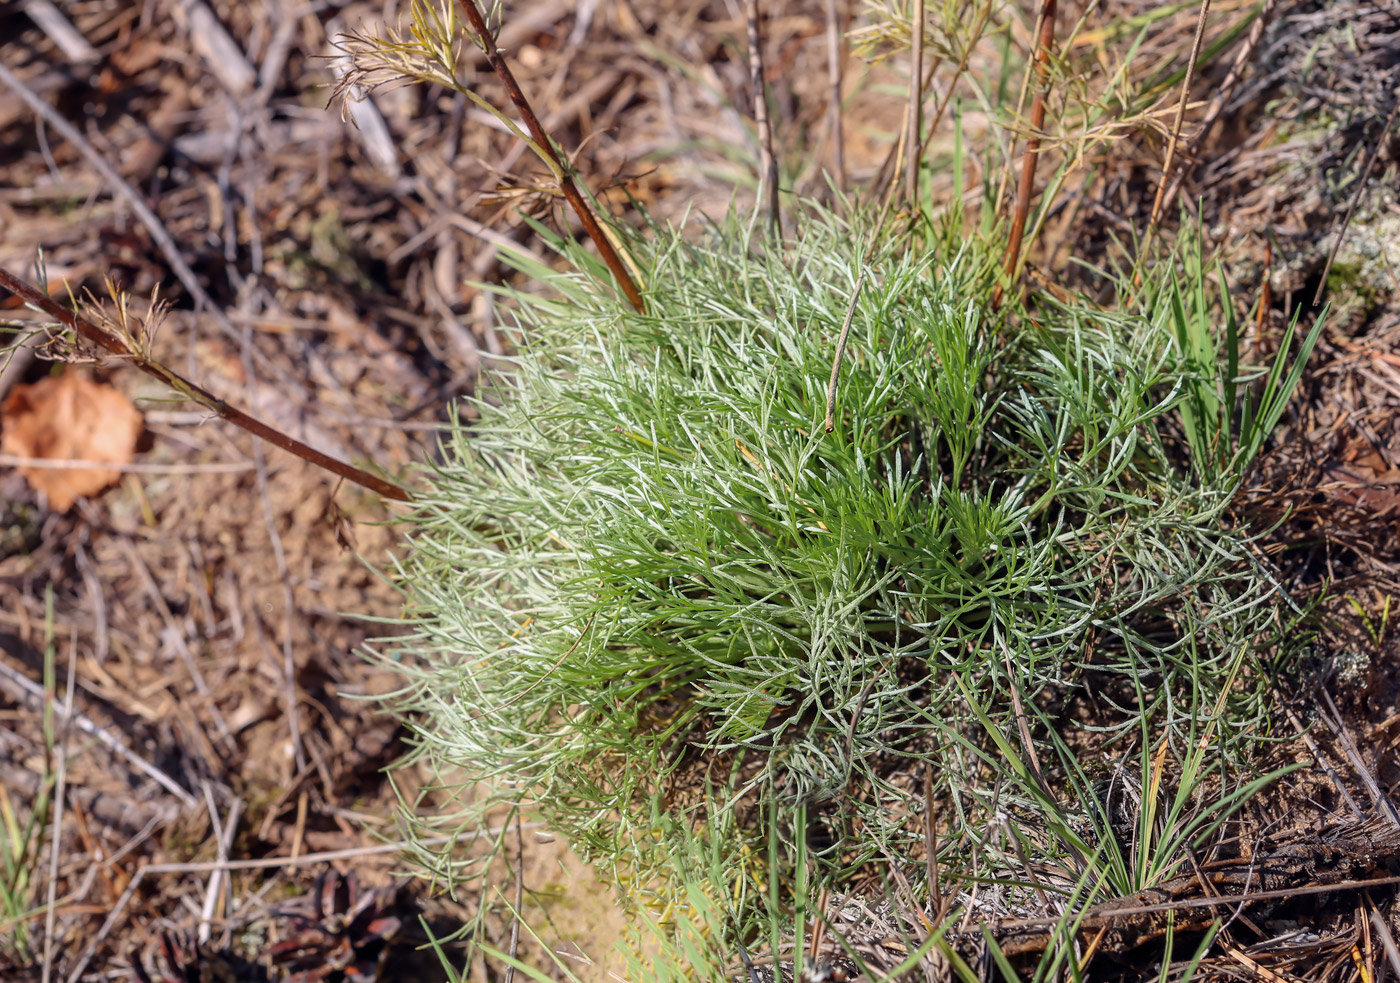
<point x="136" y="332"/>
<point x="427" y="51"/>
<point x="890" y="29"/>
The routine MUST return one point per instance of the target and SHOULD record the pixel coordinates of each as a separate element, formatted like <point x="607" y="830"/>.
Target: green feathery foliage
<point x="646" y="580"/>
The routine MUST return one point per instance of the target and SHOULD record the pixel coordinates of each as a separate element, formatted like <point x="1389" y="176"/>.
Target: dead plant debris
<point x="65" y="420"/>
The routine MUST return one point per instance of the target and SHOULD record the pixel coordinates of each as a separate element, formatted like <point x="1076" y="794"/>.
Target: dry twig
<point x="222" y="55"/>
<point x="77" y="464"/>
<point x="224" y="835"/>
<point x="833" y="67"/>
<point x="61" y="31"/>
<point x="915" y="115"/>
<point x="976" y="34"/>
<point x="1379" y="926"/>
<point x="1222" y="95"/>
<point x="59" y="799"/>
<point x="32" y="690"/>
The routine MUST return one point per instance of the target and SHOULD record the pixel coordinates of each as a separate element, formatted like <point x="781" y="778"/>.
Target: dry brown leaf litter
<point x="65" y="419"/>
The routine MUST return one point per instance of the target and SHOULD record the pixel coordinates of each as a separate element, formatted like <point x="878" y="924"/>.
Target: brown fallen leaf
<point x="69" y="417"/>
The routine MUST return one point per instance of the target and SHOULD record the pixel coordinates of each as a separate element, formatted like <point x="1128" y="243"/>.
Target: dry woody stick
<point x="1222" y="95"/>
<point x="833" y="67"/>
<point x="1156" y="217"/>
<point x="947" y="96"/>
<point x="1351" y="206"/>
<point x="115" y="346"/>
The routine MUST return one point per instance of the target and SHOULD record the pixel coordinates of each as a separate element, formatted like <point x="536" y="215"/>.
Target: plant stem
<point x="566" y="182"/>
<point x="887" y="177"/>
<point x="916" y="107"/>
<point x="1222" y="94"/>
<point x="833" y="67"/>
<point x="1156" y="217"/>
<point x="114" y="346"/>
<point x="768" y="161"/>
<point x="1027" y="183"/>
<point x="830" y="423"/>
<point x="957" y="74"/>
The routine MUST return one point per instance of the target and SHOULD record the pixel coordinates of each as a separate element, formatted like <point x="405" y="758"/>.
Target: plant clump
<point x="649" y="592"/>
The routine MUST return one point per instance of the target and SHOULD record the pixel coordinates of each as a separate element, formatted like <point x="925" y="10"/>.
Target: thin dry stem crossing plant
<point x="915" y="112"/>
<point x="834" y="110"/>
<point x="1219" y="98"/>
<point x="1356" y="196"/>
<point x="969" y="44"/>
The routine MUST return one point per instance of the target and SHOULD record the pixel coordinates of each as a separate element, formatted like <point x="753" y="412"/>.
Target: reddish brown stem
<point x="115" y="346"/>
<point x="1027" y="182"/>
<point x="566" y="182"/>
